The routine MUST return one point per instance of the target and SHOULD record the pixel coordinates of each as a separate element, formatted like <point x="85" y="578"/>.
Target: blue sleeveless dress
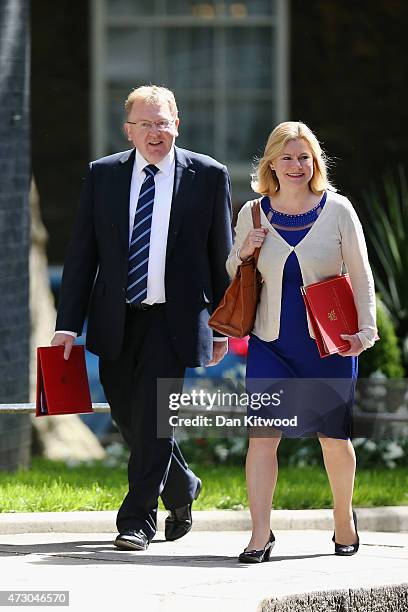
<point x="319" y="392"/>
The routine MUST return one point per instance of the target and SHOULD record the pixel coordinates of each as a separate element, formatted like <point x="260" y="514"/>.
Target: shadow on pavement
<point x="87" y="552"/>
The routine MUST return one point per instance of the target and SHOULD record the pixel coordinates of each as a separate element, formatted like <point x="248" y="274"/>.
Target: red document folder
<point x="332" y="311"/>
<point x="62" y="386"/>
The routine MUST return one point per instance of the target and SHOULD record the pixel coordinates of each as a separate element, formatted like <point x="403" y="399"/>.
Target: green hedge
<point x="295" y="452"/>
<point x="385" y="356"/>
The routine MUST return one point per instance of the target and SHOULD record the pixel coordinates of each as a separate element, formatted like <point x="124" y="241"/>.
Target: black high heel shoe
<point x="346" y="550"/>
<point x="258" y="556"/>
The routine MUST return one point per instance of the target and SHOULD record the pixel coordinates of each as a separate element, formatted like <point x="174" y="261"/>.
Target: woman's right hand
<point x="253" y="241"/>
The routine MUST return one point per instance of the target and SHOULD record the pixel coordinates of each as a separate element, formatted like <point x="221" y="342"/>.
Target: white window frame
<point x="100" y="22"/>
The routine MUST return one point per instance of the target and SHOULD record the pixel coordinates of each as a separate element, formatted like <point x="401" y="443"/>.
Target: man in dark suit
<point x="147" y="259"/>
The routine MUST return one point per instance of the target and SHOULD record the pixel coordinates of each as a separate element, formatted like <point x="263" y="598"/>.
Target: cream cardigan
<point x="336" y="238"/>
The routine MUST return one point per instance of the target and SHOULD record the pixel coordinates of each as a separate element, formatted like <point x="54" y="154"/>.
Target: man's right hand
<point x="64" y="340"/>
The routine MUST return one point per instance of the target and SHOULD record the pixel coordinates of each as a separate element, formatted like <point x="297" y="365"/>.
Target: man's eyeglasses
<point x="145" y="126"/>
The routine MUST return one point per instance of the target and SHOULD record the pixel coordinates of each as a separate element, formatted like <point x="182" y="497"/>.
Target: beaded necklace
<point x="280" y="219"/>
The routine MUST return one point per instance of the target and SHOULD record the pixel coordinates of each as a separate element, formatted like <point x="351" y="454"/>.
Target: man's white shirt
<point x="164" y="181"/>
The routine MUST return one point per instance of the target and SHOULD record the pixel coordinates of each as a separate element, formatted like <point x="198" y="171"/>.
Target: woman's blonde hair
<point x="264" y="179"/>
<point x="151" y="94"/>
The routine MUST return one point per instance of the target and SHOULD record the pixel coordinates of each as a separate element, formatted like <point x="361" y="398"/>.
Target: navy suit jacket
<point x="198" y="244"/>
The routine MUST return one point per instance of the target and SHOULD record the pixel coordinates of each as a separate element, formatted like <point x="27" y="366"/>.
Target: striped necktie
<point x="140" y="241"/>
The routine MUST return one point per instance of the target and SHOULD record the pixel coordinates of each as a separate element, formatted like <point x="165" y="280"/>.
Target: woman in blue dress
<point x="309" y="233"/>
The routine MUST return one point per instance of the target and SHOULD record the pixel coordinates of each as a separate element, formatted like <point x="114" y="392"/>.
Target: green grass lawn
<point x="52" y="486"/>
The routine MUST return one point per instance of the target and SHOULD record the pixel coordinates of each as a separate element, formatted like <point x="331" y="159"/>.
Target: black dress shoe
<point x="132" y="539"/>
<point x="180" y="521"/>
<point x="258" y="556"/>
<point x="346" y="550"/>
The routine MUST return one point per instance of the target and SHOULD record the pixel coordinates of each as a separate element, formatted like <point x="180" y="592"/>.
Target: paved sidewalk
<point x="200" y="572"/>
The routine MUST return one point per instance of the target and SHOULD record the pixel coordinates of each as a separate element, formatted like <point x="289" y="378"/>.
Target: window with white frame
<point x="225" y="61"/>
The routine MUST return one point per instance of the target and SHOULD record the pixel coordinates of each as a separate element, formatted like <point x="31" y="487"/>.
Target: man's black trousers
<point x="156" y="465"/>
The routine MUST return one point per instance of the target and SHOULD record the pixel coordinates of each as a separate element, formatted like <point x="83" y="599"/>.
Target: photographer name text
<point x="223" y="421"/>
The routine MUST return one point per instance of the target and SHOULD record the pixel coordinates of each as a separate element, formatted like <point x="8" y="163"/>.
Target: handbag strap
<point x="256" y="221"/>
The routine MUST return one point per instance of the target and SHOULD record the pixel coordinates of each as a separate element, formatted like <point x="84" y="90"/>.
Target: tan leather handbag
<point x="235" y="314"/>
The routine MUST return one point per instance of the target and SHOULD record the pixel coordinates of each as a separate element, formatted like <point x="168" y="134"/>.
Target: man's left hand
<point x="355" y="346"/>
<point x="220" y="349"/>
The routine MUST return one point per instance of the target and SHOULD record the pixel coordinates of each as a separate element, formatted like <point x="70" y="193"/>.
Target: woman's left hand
<point x="356" y="346"/>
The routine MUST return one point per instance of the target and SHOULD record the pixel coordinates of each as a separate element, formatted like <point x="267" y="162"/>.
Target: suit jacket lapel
<point x="183" y="179"/>
<point x="124" y="171"/>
